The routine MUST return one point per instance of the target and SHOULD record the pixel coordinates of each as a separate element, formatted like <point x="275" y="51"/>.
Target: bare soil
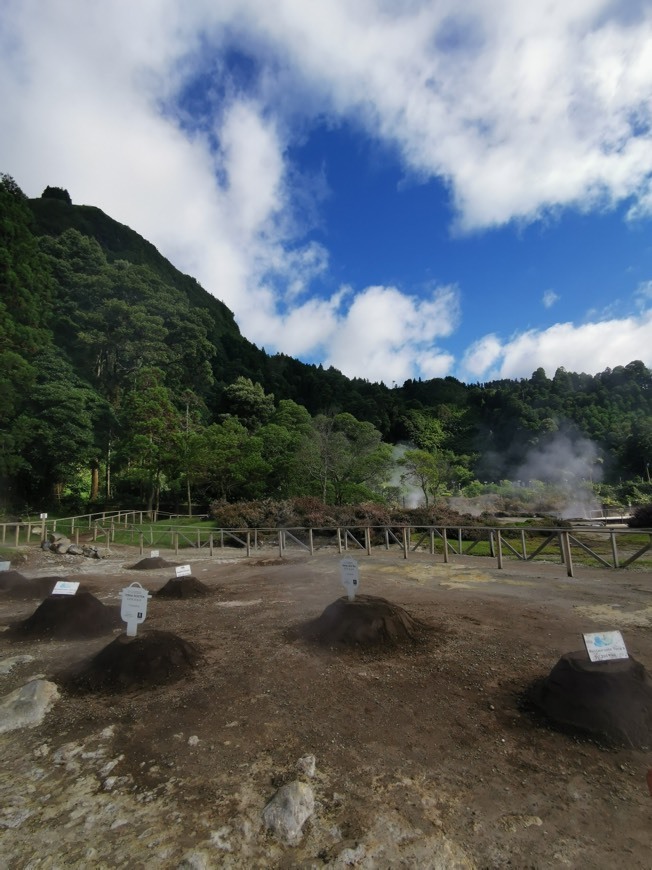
<point x="427" y="754"/>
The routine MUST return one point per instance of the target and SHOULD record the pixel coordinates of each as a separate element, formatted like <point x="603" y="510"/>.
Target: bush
<point x="642" y="517"/>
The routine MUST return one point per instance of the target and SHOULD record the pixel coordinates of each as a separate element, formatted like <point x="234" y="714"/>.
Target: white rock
<point x="193" y="741"/>
<point x="27" y="706"/>
<point x="307" y="764"/>
<point x="288" y="811"/>
<point x="6" y="665"/>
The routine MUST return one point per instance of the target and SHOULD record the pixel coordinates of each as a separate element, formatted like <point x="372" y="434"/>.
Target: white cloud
<point x="590" y="348"/>
<point x="549" y="298"/>
<point x="519" y="107"/>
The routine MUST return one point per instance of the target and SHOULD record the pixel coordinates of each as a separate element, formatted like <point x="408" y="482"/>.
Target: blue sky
<point x="398" y="189"/>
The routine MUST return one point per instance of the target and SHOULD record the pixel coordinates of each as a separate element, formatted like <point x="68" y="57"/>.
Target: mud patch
<point x="68" y="617"/>
<point x="367" y="621"/>
<point x="151" y="659"/>
<point x="609" y="700"/>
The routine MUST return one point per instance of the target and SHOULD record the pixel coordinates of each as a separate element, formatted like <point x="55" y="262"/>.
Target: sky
<point x="396" y="188"/>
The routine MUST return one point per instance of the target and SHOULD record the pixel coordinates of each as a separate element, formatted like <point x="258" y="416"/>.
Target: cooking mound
<point x="150" y="563"/>
<point x="183" y="587"/>
<point x="150" y="659"/>
<point x="68" y="617"/>
<point x="611" y="700"/>
<point x="367" y="621"/>
<point x="17" y="587"/>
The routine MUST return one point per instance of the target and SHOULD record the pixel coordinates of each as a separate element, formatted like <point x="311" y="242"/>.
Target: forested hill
<point x="123" y="378"/>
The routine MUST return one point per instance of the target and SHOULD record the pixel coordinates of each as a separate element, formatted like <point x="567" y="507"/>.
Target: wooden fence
<point x="608" y="548"/>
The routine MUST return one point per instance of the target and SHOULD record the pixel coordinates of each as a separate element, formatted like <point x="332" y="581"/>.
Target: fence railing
<point x="603" y="547"/>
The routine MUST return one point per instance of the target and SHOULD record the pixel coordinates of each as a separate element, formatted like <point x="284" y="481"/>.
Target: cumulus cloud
<point x="590" y="348"/>
<point x="520" y="108"/>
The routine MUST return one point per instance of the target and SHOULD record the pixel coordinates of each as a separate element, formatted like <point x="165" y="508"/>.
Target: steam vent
<point x="69" y="617"/>
<point x="610" y="700"/>
<point x="367" y="621"/>
<point x="148" y="660"/>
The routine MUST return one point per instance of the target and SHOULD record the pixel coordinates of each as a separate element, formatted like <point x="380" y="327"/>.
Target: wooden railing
<point x="608" y="548"/>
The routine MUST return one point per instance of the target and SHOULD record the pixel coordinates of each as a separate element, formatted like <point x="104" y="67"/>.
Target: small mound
<point x="150" y="659"/>
<point x="611" y="700"/>
<point x="150" y="563"/>
<point x="183" y="587"/>
<point x="69" y="617"/>
<point x="19" y="588"/>
<point x="366" y="621"/>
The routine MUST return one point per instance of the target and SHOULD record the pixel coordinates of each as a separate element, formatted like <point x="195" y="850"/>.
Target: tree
<point x="248" y="402"/>
<point x="431" y="472"/>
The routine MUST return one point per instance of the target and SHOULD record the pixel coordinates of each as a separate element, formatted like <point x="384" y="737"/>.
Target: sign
<point x="605" y="646"/>
<point x="154" y="553"/>
<point x="133" y="608"/>
<point x="43" y="516"/>
<point x="183" y="571"/>
<point x="5" y="566"/>
<point x="350" y="576"/>
<point x="65" y="587"/>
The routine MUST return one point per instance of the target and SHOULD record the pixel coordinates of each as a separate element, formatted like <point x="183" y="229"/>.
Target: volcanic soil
<point x="427" y="754"/>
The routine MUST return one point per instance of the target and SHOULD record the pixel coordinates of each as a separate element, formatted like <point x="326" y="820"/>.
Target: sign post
<point x="605" y="646"/>
<point x="182" y="571"/>
<point x="350" y="576"/>
<point x="134" y="607"/>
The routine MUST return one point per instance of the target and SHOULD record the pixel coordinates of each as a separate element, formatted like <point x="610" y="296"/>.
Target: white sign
<point x="153" y="553"/>
<point x="134" y="607"/>
<point x="183" y="571"/>
<point x="5" y="566"/>
<point x="43" y="516"/>
<point x="65" y="587"/>
<point x="350" y="576"/>
<point x="605" y="646"/>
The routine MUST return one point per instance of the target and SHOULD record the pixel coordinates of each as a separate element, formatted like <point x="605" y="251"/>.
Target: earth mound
<point x="367" y="621"/>
<point x="150" y="563"/>
<point x="183" y="587"/>
<point x="611" y="700"/>
<point x="150" y="659"/>
<point x="16" y="587"/>
<point x="68" y="617"/>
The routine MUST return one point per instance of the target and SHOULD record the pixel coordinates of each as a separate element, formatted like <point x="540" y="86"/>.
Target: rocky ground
<point x="423" y="756"/>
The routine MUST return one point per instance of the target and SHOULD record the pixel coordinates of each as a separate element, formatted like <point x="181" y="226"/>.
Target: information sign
<point x="183" y="571"/>
<point x="43" y="516"/>
<point x="350" y="576"/>
<point x="5" y="566"/>
<point x="65" y="587"/>
<point x="605" y="646"/>
<point x="133" y="608"/>
<point x="154" y="553"/>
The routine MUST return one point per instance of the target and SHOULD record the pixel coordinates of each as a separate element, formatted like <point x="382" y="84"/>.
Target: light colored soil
<point x="425" y="757"/>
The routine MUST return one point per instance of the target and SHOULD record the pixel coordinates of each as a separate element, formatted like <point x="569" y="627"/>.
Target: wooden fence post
<point x="444" y="537"/>
<point x="499" y="548"/>
<point x="405" y="542"/>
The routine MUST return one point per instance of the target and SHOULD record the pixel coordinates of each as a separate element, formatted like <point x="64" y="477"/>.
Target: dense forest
<point x="124" y="382"/>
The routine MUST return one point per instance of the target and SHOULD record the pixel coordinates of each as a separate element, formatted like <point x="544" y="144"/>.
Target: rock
<point x="7" y="665"/>
<point x="288" y="810"/>
<point x="75" y="550"/>
<point x="307" y="765"/>
<point x="195" y="860"/>
<point x="57" y="538"/>
<point x="27" y="706"/>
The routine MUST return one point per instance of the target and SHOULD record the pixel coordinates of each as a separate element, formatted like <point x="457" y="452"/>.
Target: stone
<point x="27" y="706"/>
<point x="288" y="811"/>
<point x="307" y="765"/>
<point x="75" y="550"/>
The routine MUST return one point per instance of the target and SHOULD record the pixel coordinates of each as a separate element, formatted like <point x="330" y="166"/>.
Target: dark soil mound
<point x="611" y="700"/>
<point x="18" y="588"/>
<point x="366" y="621"/>
<point x="183" y="587"/>
<point x="150" y="563"/>
<point x="69" y="617"/>
<point x="150" y="659"/>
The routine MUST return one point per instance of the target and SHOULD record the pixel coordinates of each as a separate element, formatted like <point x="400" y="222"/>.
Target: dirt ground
<point x="425" y="757"/>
